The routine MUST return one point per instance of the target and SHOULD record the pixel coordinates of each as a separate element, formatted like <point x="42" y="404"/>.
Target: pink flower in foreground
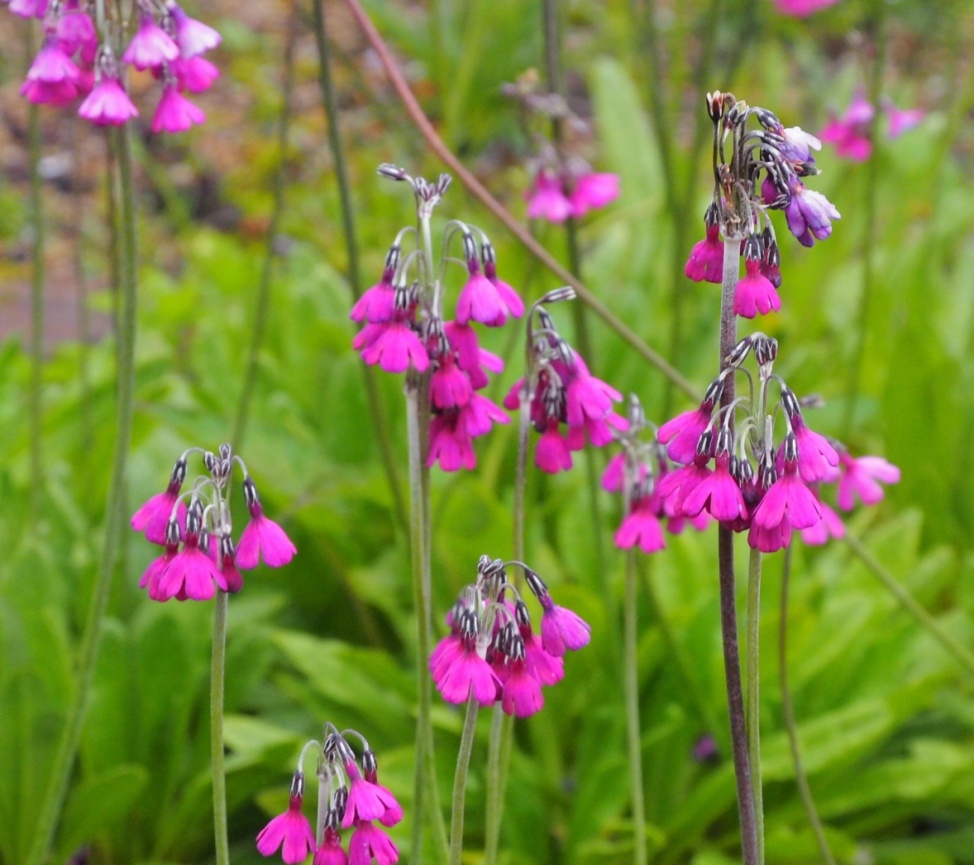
<point x="521" y="692"/>
<point x="192" y="574"/>
<point x="593" y="191"/>
<point x="378" y="304"/>
<point x="151" y="46"/>
<point x="802" y="8"/>
<point x="175" y="112"/>
<point x="330" y="852"/>
<point x="369" y="842"/>
<point x="155" y="572"/>
<point x="289" y="831"/>
<point x="368" y="800"/>
<point x="641" y="526"/>
<point x="860" y="477"/>
<point x="547" y="200"/>
<point x="706" y="261"/>
<point x="52" y="65"/>
<point x="263" y="538"/>
<point x="551" y="454"/>
<point x="718" y="493"/>
<point x="562" y="629"/>
<point x="108" y="104"/>
<point x="788" y="504"/>
<point x="754" y="293"/>
<point x="195" y="74"/>
<point x="393" y="345"/>
<point x="682" y="433"/>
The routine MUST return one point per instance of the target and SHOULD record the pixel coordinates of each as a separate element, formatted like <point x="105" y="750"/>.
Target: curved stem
<point x="728" y="604"/>
<point x="460" y="780"/>
<point x="379" y="425"/>
<point x="909" y="603"/>
<point x="633" y="727"/>
<point x="801" y="779"/>
<point x="477" y="189"/>
<point x="264" y="286"/>
<point x="752" y="680"/>
<point x="114" y="513"/>
<point x="217" y="764"/>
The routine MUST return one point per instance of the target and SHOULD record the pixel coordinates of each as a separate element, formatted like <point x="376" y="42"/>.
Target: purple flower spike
<point x="290" y="831"/>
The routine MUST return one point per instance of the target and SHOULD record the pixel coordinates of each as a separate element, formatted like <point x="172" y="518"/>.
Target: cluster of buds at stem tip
<point x="636" y="472"/>
<point x="760" y="483"/>
<point x="74" y="63"/>
<point x="350" y="797"/>
<point x="566" y="404"/>
<point x="492" y="653"/>
<point x="195" y="529"/>
<point x="405" y="329"/>
<point x="759" y="165"/>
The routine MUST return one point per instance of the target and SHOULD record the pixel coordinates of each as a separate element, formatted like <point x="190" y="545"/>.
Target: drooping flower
<point x="193" y="37"/>
<point x="900" y="120"/>
<point x="802" y="8"/>
<point x="263" y="538"/>
<point x="153" y="516"/>
<point x="175" y="113"/>
<point x="108" y="104"/>
<point x="592" y="191"/>
<point x="151" y="46"/>
<point x="830" y="526"/>
<point x="718" y="492"/>
<point x="547" y="199"/>
<point x="851" y="133"/>
<point x="861" y="476"/>
<point x="195" y="74"/>
<point x="754" y="293"/>
<point x="642" y="526"/>
<point x="787" y="502"/>
<point x="706" y="261"/>
<point x="521" y="691"/>
<point x="393" y="345"/>
<point x="370" y="843"/>
<point x="290" y="831"/>
<point x="331" y="851"/>
<point x="809" y="214"/>
<point x="368" y="800"/>
<point x="681" y="434"/>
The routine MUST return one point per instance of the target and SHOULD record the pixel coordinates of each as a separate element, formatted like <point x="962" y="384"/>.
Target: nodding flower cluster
<point x="199" y="550"/>
<point x="636" y="472"/>
<point x="755" y="171"/>
<point x="73" y="63"/>
<point x="777" y="492"/>
<point x="405" y="329"/>
<point x="493" y="654"/>
<point x="355" y="800"/>
<point x="852" y="132"/>
<point x="565" y="185"/>
<point x="563" y="400"/>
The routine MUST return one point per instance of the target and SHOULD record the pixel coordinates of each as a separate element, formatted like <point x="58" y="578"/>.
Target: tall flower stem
<point x="36" y="302"/>
<point x="67" y="749"/>
<point x="520" y="233"/>
<point x="379" y="424"/>
<point x="264" y="286"/>
<point x="801" y="779"/>
<point x="217" y="764"/>
<point x="752" y="683"/>
<point x="633" y="728"/>
<point x="460" y="780"/>
<point x="728" y="603"/>
<point x="426" y="797"/>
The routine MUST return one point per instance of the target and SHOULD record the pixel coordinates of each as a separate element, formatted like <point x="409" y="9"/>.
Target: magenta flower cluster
<point x="636" y="472"/>
<point x="757" y="171"/>
<point x="779" y="492"/>
<point x="73" y="63"/>
<point x="405" y="330"/>
<point x="195" y="530"/>
<point x="356" y="801"/>
<point x="492" y="652"/>
<point x="852" y="132"/>
<point x="566" y="404"/>
<point x="555" y="196"/>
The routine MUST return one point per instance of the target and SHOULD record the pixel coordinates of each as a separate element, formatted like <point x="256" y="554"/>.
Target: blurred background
<point x="877" y="320"/>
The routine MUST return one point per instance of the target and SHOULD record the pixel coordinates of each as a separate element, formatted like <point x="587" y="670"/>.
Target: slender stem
<point x="114" y="515"/>
<point x="217" y="764"/>
<point x="630" y="637"/>
<point x="460" y="780"/>
<point x="425" y="793"/>
<point x="870" y="204"/>
<point x="521" y="234"/>
<point x="264" y="286"/>
<point x="379" y="425"/>
<point x="36" y="304"/>
<point x="801" y="779"/>
<point x="752" y="680"/>
<point x="728" y="605"/>
<point x="322" y="810"/>
<point x="909" y="603"/>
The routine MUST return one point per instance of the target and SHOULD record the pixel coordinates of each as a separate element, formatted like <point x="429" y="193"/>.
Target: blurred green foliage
<point x="886" y="716"/>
